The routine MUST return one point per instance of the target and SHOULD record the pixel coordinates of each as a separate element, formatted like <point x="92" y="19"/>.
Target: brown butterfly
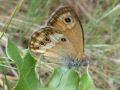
<point x="61" y="40"/>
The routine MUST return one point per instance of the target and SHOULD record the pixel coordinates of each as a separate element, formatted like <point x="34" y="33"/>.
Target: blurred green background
<point x="101" y="24"/>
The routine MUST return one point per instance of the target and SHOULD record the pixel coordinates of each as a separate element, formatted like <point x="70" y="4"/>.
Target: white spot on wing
<point x="48" y="46"/>
<point x="53" y="39"/>
<point x="56" y="37"/>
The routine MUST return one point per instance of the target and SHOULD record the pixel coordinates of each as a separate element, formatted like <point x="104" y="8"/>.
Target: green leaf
<point x="27" y="78"/>
<point x="86" y="82"/>
<point x="13" y="53"/>
<point x="64" y="79"/>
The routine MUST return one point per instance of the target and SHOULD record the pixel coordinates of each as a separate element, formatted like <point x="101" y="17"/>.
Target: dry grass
<point x="101" y="23"/>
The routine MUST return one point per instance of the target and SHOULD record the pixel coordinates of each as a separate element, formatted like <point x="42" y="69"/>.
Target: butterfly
<point x="61" y="39"/>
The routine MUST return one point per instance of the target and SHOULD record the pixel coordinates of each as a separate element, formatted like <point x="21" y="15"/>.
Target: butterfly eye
<point x="68" y="20"/>
<point x="63" y="39"/>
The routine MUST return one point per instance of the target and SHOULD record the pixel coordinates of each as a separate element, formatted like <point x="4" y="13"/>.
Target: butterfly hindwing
<point x="43" y="39"/>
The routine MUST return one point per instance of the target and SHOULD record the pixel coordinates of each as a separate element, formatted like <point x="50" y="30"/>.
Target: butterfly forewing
<point x="67" y="21"/>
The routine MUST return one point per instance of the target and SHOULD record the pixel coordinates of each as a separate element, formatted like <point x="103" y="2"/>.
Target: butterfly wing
<point x="52" y="44"/>
<point x="68" y="23"/>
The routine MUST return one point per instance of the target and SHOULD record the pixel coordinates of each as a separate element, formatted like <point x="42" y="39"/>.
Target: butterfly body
<point x="61" y="40"/>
